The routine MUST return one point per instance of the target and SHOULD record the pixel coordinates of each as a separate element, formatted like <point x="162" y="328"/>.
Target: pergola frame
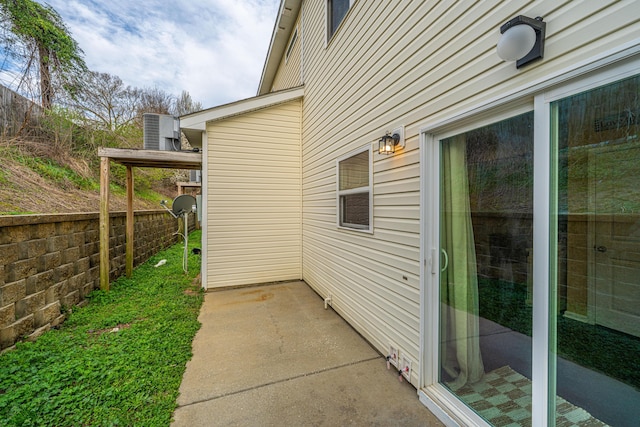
<point x="131" y="158"/>
<point x="183" y="185"/>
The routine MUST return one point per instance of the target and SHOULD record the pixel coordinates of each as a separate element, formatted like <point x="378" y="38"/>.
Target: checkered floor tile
<point x="503" y="398"/>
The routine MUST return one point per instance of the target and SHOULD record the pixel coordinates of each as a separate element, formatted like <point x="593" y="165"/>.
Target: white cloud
<point x="215" y="49"/>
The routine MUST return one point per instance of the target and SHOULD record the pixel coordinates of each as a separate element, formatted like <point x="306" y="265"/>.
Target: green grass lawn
<point x="118" y="361"/>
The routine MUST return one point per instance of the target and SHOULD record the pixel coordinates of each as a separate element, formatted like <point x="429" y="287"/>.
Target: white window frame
<point x="291" y="45"/>
<point x="537" y="98"/>
<point x="328" y="4"/>
<point x="430" y="194"/>
<point x="543" y="384"/>
<point x="366" y="189"/>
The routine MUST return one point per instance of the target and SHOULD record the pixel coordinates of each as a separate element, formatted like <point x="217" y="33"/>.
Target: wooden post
<point x="129" y="246"/>
<point x="104" y="223"/>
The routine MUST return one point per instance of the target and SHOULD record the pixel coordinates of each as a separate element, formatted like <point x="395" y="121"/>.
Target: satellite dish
<point x="183" y="204"/>
<point x="181" y="207"/>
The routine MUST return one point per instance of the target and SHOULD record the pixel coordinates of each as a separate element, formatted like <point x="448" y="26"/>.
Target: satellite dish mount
<point x="181" y="207"/>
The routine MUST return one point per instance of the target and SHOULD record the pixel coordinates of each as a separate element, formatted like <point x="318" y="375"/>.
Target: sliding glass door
<point x="486" y="211"/>
<point x="596" y="150"/>
<point x="555" y="340"/>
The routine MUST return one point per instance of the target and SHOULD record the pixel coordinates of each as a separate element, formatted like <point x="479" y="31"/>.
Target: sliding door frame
<point x="538" y="98"/>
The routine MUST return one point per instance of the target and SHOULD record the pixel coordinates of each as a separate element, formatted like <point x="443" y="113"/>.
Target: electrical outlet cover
<point x="393" y="355"/>
<point x="405" y="367"/>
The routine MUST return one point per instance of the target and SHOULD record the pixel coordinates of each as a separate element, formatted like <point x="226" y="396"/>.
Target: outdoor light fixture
<point x="391" y="141"/>
<point x="387" y="144"/>
<point x="522" y="40"/>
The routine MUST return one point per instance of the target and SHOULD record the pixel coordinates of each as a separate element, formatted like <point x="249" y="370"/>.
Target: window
<point x="354" y="191"/>
<point x="336" y="11"/>
<point x="292" y="43"/>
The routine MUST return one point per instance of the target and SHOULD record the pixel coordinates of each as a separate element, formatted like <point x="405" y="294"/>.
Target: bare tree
<point x="185" y="104"/>
<point x="155" y="100"/>
<point x="106" y="101"/>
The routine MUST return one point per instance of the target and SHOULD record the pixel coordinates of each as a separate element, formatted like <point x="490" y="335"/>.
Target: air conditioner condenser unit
<point x="161" y="132"/>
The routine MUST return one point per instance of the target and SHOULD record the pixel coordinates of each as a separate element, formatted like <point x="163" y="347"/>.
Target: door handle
<point x="446" y="260"/>
<point x="600" y="248"/>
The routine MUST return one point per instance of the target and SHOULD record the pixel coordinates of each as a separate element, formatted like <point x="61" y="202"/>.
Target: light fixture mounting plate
<point x="400" y="131"/>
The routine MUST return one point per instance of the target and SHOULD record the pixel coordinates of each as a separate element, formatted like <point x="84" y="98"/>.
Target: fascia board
<point x="199" y="120"/>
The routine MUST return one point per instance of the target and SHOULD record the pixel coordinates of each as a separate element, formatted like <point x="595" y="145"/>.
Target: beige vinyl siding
<point x="254" y="197"/>
<point x="289" y="72"/>
<point x="432" y="61"/>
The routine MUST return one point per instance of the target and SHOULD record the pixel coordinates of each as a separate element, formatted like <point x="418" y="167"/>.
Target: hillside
<point x="31" y="185"/>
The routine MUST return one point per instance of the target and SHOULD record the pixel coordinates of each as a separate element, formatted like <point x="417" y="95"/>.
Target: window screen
<point x="354" y="191"/>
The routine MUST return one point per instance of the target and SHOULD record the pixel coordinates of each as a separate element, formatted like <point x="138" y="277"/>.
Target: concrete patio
<point x="273" y="356"/>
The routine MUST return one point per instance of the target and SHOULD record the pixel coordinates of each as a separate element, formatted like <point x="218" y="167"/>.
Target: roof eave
<point x="285" y="23"/>
<point x="198" y="121"/>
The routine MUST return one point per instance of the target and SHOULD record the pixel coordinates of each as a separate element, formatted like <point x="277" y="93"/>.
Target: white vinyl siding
<point x="289" y="72"/>
<point x="254" y="197"/>
<point x="441" y="62"/>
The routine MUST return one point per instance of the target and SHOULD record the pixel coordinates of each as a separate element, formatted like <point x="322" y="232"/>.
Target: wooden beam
<point x="129" y="246"/>
<point x="153" y="158"/>
<point x="104" y="223"/>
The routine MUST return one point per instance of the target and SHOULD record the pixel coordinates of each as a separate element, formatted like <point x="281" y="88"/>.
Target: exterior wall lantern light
<point x="391" y="141"/>
<point x="522" y="40"/>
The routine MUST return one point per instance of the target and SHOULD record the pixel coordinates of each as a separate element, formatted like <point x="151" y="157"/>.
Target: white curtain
<point x="460" y="342"/>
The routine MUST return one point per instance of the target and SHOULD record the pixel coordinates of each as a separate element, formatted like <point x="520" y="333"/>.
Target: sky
<point x="214" y="49"/>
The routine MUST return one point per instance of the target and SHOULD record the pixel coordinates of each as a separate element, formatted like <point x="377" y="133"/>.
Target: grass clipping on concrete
<point x="118" y="361"/>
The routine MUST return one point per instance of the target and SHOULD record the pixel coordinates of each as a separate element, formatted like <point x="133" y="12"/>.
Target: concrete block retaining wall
<point x="49" y="263"/>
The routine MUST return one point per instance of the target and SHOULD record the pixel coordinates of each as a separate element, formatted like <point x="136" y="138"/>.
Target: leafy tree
<point x="39" y="37"/>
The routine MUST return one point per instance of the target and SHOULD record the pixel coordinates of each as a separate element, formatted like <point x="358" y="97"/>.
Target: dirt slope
<point x="24" y="191"/>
